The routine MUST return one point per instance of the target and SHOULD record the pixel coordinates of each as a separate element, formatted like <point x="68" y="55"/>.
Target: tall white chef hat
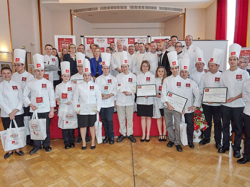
<point x="234" y="50"/>
<point x="106" y="57"/>
<point x="124" y="58"/>
<point x="65" y="67"/>
<point x="199" y="56"/>
<point x="80" y="57"/>
<point x="216" y="56"/>
<point x="184" y="64"/>
<point x="172" y="58"/>
<point x="86" y="66"/>
<point x="38" y="61"/>
<point x="19" y="55"/>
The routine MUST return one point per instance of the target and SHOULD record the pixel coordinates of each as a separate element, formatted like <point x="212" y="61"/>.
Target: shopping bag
<point x="67" y="119"/>
<point x="26" y="124"/>
<point x="183" y="132"/>
<point x="13" y="138"/>
<point x="98" y="130"/>
<point x="156" y="110"/>
<point x="37" y="127"/>
<point x="68" y="124"/>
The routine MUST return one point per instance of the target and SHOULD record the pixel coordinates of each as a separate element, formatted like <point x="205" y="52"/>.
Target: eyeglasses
<point x="145" y="66"/>
<point x="72" y="47"/>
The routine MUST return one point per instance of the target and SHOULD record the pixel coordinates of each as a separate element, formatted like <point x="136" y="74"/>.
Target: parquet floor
<point x="124" y="164"/>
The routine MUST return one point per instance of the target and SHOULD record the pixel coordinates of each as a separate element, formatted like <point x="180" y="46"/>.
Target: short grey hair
<point x="245" y="59"/>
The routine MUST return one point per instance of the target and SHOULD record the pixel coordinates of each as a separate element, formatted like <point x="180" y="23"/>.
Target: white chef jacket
<point x="76" y="77"/>
<point x="121" y="98"/>
<point x="192" y="93"/>
<point x="172" y="48"/>
<point x="210" y="80"/>
<point x="246" y="96"/>
<point x="152" y="58"/>
<point x="87" y="93"/>
<point x="110" y="81"/>
<point x="159" y="90"/>
<point x="116" y="61"/>
<point x="10" y="98"/>
<point x="141" y="79"/>
<point x="64" y="91"/>
<point x="171" y="84"/>
<point x="52" y="60"/>
<point x="136" y="62"/>
<point x="233" y="80"/>
<point x="39" y="89"/>
<point x="130" y="61"/>
<point x="196" y="76"/>
<point x="22" y="78"/>
<point x="181" y="56"/>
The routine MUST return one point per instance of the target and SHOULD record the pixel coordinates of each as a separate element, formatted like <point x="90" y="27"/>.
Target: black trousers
<point x="190" y="126"/>
<point x="27" y="113"/>
<point x="68" y="136"/>
<point x="46" y="142"/>
<point x="246" y="119"/>
<point x="18" y="119"/>
<point x="107" y="121"/>
<point x="213" y="112"/>
<point x="237" y="118"/>
<point x="79" y="134"/>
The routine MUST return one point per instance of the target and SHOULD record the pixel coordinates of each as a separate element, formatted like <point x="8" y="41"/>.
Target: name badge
<point x="130" y="79"/>
<point x="64" y="95"/>
<point x="160" y="88"/>
<point x="109" y="81"/>
<point x="78" y="106"/>
<point x="64" y="98"/>
<point x="39" y="100"/>
<point x="24" y="78"/>
<point x="238" y="77"/>
<point x="14" y="87"/>
<point x="91" y="88"/>
<point x="147" y="78"/>
<point x="53" y="59"/>
<point x="217" y="79"/>
<point x="44" y="86"/>
<point x="188" y="85"/>
<point x="69" y="89"/>
<point x="178" y="84"/>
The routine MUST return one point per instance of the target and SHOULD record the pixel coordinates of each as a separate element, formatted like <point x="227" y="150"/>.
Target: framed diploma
<point x="129" y="87"/>
<point x="146" y="90"/>
<point x="88" y="108"/>
<point x="214" y="95"/>
<point x="178" y="102"/>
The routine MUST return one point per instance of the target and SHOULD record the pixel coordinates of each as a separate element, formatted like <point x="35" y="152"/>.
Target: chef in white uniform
<point x="42" y="100"/>
<point x="11" y="103"/>
<point x="108" y="86"/>
<point x="49" y="59"/>
<point x="131" y="55"/>
<point x="192" y="93"/>
<point x="173" y="84"/>
<point x="152" y="58"/>
<point x="212" y="111"/>
<point x="64" y="97"/>
<point x="21" y="76"/>
<point x="233" y="79"/>
<point x="200" y="63"/>
<point x="180" y="53"/>
<point x="136" y="62"/>
<point x="125" y="102"/>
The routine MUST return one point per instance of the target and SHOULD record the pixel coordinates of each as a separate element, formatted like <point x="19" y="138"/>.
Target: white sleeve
<point x="3" y="106"/>
<point x="197" y="95"/>
<point x="26" y="93"/>
<point x="164" y="97"/>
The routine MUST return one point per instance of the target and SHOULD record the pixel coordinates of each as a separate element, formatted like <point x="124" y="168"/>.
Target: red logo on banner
<point x="90" y="40"/>
<point x="131" y="40"/>
<point x="39" y="99"/>
<point x="64" y="42"/>
<point x="233" y="53"/>
<point x="44" y="85"/>
<point x="238" y="76"/>
<point x="178" y="83"/>
<point x="199" y="59"/>
<point x="217" y="79"/>
<point x="106" y="87"/>
<point x="69" y="89"/>
<point x="53" y="59"/>
<point x="170" y="95"/>
<point x="24" y="78"/>
<point x="64" y="95"/>
<point x="38" y="65"/>
<point x="130" y="79"/>
<point x="174" y="63"/>
<point x="185" y="67"/>
<point x="14" y="87"/>
<point x="17" y="60"/>
<point x="86" y="69"/>
<point x="109" y="81"/>
<point x="46" y="76"/>
<point x="109" y="40"/>
<point x="79" y="61"/>
<point x="147" y="78"/>
<point x="188" y="85"/>
<point x="91" y="87"/>
<point x="160" y="88"/>
<point x="102" y="49"/>
<point x="67" y="71"/>
<point x="206" y="90"/>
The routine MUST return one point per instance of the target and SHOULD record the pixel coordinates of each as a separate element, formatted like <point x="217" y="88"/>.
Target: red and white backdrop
<point x="245" y="51"/>
<point x="62" y="41"/>
<point x="104" y="41"/>
<point x="159" y="38"/>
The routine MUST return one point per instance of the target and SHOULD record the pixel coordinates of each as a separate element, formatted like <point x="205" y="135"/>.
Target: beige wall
<point x="60" y="22"/>
<point x="175" y="26"/>
<point x="195" y="23"/>
<point x="81" y="27"/>
<point x="210" y="21"/>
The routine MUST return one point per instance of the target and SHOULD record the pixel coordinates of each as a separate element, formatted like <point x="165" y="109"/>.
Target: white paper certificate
<point x="88" y="108"/>
<point x="214" y="95"/>
<point x="106" y="89"/>
<point x="129" y="87"/>
<point x="146" y="90"/>
<point x="176" y="101"/>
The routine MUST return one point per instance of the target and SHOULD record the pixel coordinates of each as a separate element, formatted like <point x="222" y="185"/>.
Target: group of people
<point x="97" y="83"/>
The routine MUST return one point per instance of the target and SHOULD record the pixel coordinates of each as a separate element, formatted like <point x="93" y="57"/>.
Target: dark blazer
<point x="248" y="70"/>
<point x="93" y="66"/>
<point x="165" y="63"/>
<point x="73" y="69"/>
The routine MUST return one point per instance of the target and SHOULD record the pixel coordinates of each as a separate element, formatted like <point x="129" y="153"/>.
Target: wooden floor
<point x="124" y="164"/>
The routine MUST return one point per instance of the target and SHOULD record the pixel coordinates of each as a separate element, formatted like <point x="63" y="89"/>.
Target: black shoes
<point x="72" y="145"/>
<point x="142" y="140"/>
<point x="106" y="140"/>
<point x="160" y="138"/>
<point x="92" y="147"/>
<point x="243" y="160"/>
<point x="191" y="145"/>
<point x="88" y="140"/>
<point x="164" y="139"/>
<point x="218" y="145"/>
<point x="48" y="149"/>
<point x="7" y="155"/>
<point x="170" y="144"/>
<point x="178" y="148"/>
<point x="78" y="141"/>
<point x="67" y="146"/>
<point x="111" y="141"/>
<point x="147" y="140"/>
<point x="120" y="138"/>
<point x="19" y="153"/>
<point x="204" y="141"/>
<point x="34" y="150"/>
<point x="237" y="154"/>
<point x="132" y="138"/>
<point x="223" y="149"/>
<point x="85" y="147"/>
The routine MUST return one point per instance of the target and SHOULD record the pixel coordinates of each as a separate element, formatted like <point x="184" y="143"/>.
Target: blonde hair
<point x="99" y="51"/>
<point x="164" y="75"/>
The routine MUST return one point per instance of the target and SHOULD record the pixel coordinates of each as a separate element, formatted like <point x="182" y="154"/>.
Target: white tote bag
<point x="156" y="110"/>
<point x="183" y="132"/>
<point x="37" y="127"/>
<point x="69" y="119"/>
<point x="98" y="130"/>
<point x="13" y="138"/>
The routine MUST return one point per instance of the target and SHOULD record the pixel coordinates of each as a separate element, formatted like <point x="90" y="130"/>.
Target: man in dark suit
<point x="243" y="63"/>
<point x="163" y="59"/>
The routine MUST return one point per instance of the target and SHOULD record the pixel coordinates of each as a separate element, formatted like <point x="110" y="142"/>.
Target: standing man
<point x="233" y="79"/>
<point x="174" y="84"/>
<point x="166" y="40"/>
<point x="137" y="60"/>
<point x="125" y="48"/>
<point x="152" y="57"/>
<point x="174" y="39"/>
<point x="164" y="60"/>
<point x="243" y="63"/>
<point x="42" y="100"/>
<point x="147" y="47"/>
<point x="112" y="45"/>
<point x="22" y="77"/>
<point x="131" y="54"/>
<point x="108" y="86"/>
<point x="125" y="103"/>
<point x="136" y="45"/>
<point x="212" y="111"/>
<point x="81" y="48"/>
